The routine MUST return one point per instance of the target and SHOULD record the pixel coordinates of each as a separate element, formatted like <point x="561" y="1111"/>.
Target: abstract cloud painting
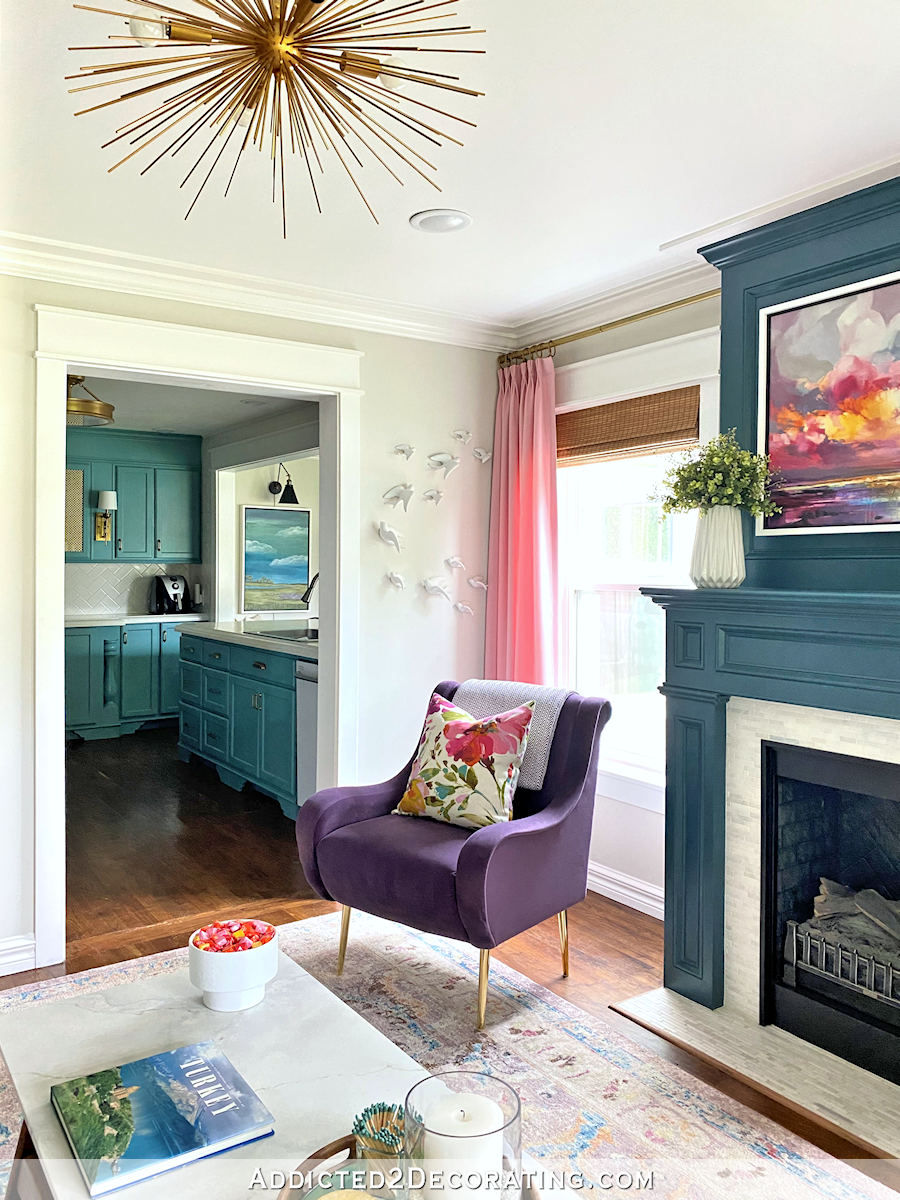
<point x="276" y="558"/>
<point x="832" y="413"/>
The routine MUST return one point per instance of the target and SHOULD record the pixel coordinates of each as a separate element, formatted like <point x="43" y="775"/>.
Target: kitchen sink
<point x="285" y="635"/>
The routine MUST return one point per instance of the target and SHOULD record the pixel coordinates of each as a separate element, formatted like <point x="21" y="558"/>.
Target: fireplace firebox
<point x="831" y="903"/>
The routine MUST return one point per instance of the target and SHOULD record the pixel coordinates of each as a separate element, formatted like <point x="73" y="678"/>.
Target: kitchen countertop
<point x="237" y="633"/>
<point x="103" y="619"/>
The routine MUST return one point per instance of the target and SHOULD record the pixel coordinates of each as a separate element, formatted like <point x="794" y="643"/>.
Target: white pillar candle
<point x="464" y="1134"/>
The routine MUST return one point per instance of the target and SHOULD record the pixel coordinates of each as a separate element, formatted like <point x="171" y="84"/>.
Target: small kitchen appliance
<point x="170" y="594"/>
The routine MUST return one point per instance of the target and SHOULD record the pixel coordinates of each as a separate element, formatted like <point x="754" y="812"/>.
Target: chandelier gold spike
<point x="307" y="78"/>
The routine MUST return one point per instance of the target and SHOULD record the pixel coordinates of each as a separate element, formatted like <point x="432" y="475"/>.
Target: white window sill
<point x="630" y="784"/>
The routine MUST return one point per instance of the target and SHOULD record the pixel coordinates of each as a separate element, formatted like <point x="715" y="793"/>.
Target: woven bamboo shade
<point x="643" y="425"/>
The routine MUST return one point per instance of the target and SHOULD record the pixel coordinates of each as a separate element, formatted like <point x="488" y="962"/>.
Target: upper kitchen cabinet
<point x="156" y="478"/>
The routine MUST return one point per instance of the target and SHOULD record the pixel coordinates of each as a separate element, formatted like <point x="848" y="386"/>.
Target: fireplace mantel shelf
<point x="776" y="600"/>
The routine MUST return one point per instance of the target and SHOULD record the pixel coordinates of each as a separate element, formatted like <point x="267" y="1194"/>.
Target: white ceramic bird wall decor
<point x="483" y="456"/>
<point x="433" y="496"/>
<point x="402" y="493"/>
<point x="455" y="563"/>
<point x="395" y="579"/>
<point x="464" y="609"/>
<point x="462" y="435"/>
<point x="388" y="535"/>
<point x="435" y="587"/>
<point x="405" y="449"/>
<point x="443" y="462"/>
<point x="478" y="581"/>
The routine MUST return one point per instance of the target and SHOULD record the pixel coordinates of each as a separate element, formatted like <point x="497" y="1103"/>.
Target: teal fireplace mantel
<point x="828" y="650"/>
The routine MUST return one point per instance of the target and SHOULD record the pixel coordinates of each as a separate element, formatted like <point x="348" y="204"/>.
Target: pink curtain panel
<point x="521" y="625"/>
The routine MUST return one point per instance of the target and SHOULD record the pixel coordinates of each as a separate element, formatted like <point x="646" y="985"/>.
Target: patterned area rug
<point x="594" y="1103"/>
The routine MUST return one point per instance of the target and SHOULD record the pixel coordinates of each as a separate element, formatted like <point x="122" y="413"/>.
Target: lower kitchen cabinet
<point x="120" y="677"/>
<point x="92" y="679"/>
<point x="244" y="727"/>
<point x="140" y="671"/>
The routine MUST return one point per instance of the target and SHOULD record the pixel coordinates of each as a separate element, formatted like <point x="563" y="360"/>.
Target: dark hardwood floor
<point x="157" y="847"/>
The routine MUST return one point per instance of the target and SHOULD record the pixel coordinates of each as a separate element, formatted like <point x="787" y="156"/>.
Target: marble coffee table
<point x="312" y="1061"/>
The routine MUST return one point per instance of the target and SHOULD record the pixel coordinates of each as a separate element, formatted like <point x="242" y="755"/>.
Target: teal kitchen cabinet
<point x="157" y="481"/>
<point x="278" y="730"/>
<point x="135" y="516"/>
<point x="169" y="670"/>
<point x="238" y="711"/>
<point x="177" y="515"/>
<point x="140" y="671"/>
<point x="92" y="680"/>
<point x="120" y="677"/>
<point x="245" y="738"/>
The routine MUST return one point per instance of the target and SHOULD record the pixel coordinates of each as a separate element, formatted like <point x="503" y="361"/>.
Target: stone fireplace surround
<point x="816" y="670"/>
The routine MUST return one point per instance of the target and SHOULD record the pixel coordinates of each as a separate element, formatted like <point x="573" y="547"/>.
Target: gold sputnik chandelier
<point x="314" y="78"/>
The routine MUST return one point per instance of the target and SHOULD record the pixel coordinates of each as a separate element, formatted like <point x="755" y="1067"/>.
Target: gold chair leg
<point x="563" y="919"/>
<point x="484" y="970"/>
<point x="345" y="929"/>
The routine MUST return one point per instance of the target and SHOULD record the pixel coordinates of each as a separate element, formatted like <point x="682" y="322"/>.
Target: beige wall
<point x="627" y="839"/>
<point x="414" y="391"/>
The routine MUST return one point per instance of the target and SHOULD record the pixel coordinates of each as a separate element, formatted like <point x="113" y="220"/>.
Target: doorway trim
<point x="69" y="340"/>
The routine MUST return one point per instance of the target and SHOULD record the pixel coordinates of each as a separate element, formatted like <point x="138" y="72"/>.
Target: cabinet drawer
<point x="266" y="668"/>
<point x="191" y="649"/>
<point x="216" y="654"/>
<point x="215" y="691"/>
<point x="215" y="736"/>
<point x="191" y="683"/>
<point x="190" y="726"/>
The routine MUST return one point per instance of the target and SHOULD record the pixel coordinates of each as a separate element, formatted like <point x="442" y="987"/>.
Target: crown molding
<point x="584" y="312"/>
<point x="29" y="257"/>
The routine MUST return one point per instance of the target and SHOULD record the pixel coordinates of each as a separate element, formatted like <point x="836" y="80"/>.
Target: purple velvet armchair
<point x="480" y="886"/>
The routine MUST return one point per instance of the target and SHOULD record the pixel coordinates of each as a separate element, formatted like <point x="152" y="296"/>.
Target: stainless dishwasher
<point x="307" y="727"/>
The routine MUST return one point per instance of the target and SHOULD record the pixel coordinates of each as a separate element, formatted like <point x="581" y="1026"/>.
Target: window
<point x="613" y="539"/>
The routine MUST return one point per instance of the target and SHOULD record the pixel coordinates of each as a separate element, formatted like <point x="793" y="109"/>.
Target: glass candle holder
<point x="463" y="1138"/>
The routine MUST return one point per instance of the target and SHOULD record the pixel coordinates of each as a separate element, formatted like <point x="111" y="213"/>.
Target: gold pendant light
<point x="317" y="78"/>
<point x="86" y="410"/>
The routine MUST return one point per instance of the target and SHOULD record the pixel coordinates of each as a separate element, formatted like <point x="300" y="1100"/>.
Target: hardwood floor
<point x="156" y="847"/>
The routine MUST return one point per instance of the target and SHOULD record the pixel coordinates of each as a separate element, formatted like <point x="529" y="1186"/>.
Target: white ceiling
<point x="163" y="408"/>
<point x="608" y="129"/>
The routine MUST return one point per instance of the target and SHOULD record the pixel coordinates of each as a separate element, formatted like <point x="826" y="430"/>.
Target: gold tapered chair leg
<point x="484" y="970"/>
<point x="563" y="919"/>
<point x="345" y="929"/>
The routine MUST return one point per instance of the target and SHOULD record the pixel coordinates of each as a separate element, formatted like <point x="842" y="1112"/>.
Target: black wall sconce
<point x="286" y="491"/>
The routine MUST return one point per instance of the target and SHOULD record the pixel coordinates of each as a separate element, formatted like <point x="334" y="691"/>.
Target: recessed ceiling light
<point x="440" y="220"/>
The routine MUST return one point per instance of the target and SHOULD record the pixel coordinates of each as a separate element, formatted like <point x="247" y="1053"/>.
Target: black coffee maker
<point x="170" y="594"/>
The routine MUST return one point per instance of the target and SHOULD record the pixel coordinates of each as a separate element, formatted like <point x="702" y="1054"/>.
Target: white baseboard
<point x="636" y="893"/>
<point x="17" y="954"/>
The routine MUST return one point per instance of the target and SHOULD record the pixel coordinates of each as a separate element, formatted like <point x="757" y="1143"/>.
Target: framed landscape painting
<point x="830" y="410"/>
<point x="275" y="561"/>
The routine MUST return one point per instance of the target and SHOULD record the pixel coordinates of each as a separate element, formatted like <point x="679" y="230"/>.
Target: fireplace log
<point x="835" y="906"/>
<point x="885" y="913"/>
<point x="830" y="887"/>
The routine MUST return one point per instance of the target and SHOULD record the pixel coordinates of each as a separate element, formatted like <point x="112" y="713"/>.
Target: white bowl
<point x="232" y="982"/>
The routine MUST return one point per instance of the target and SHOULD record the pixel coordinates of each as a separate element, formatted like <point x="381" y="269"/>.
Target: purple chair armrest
<point x="334" y="808"/>
<point x="511" y="877"/>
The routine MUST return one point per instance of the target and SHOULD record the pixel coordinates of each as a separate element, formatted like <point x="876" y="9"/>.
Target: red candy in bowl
<point x="226" y="937"/>
<point x="229" y="978"/>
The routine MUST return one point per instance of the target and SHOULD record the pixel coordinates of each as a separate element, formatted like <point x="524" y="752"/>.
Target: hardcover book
<point x="132" y="1122"/>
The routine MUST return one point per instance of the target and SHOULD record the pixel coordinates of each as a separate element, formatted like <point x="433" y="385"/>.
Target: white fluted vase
<point x="718" y="557"/>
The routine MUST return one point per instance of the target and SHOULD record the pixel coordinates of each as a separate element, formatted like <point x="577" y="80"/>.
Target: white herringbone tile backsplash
<point x="117" y="587"/>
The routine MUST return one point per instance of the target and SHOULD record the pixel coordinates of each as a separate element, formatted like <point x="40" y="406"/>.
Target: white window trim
<point x="686" y="361"/>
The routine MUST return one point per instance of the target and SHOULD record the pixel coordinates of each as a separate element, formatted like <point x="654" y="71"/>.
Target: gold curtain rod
<point x="540" y="349"/>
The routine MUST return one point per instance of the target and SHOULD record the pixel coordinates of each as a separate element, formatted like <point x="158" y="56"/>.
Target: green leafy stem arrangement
<point x="720" y="473"/>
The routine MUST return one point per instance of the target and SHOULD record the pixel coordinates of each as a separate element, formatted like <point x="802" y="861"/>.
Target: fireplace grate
<point x="807" y="951"/>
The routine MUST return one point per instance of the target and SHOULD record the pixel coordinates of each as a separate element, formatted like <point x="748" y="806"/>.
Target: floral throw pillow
<point x="465" y="770"/>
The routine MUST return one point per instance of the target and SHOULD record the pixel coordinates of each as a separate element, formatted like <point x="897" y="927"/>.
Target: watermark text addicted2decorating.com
<point x="418" y="1180"/>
